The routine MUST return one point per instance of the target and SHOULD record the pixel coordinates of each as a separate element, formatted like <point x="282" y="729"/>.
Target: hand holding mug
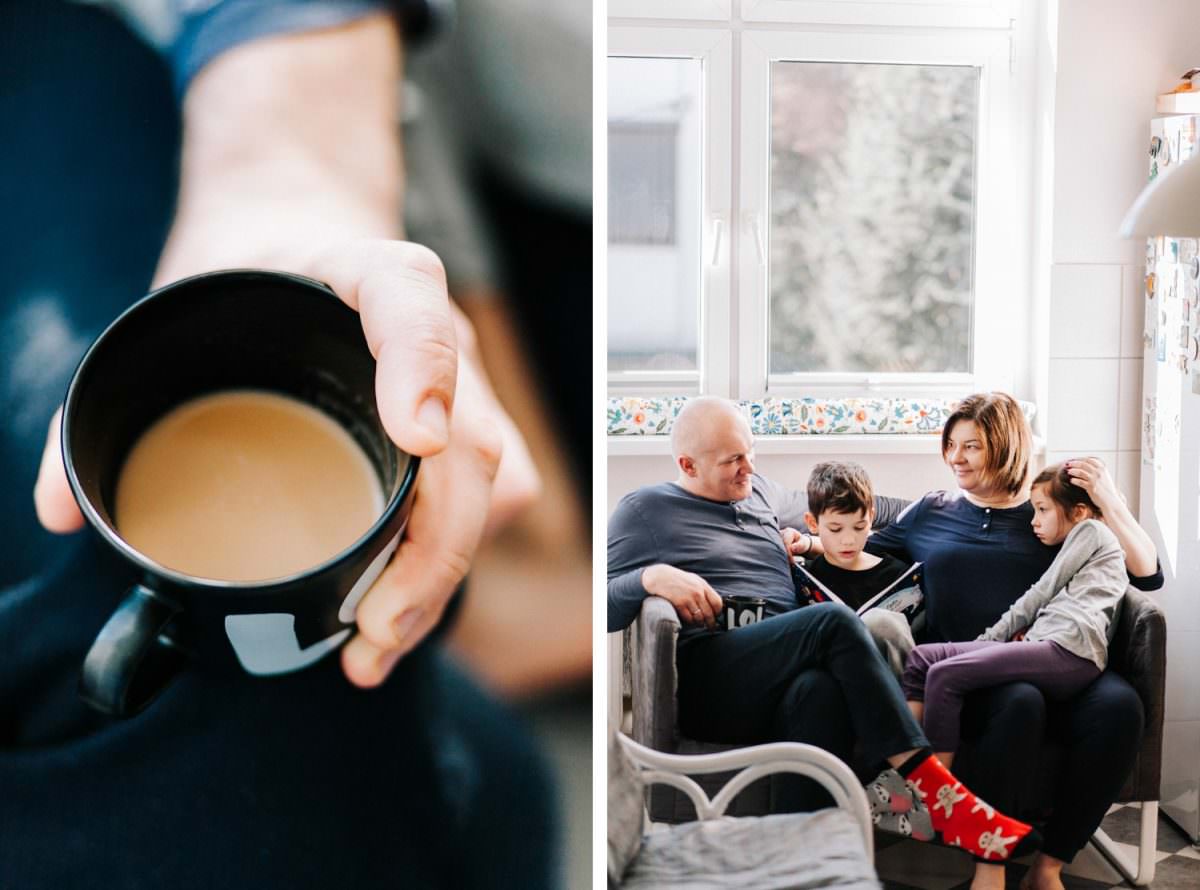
<point x="433" y="401"/>
<point x="693" y="598"/>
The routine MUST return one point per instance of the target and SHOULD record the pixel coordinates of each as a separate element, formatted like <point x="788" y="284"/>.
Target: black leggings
<point x="1006" y="731"/>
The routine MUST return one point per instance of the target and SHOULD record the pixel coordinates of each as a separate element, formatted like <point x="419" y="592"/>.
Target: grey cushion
<point x="624" y="809"/>
<point x="793" y="851"/>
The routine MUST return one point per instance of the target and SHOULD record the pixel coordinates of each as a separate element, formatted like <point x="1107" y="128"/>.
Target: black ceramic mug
<point x="220" y="331"/>
<point x="741" y="611"/>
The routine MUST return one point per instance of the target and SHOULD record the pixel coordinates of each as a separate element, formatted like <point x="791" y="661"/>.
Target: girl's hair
<point x="1065" y="493"/>
<point x="1007" y="441"/>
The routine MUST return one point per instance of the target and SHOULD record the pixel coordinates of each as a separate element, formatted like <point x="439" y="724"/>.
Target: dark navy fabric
<point x="299" y="781"/>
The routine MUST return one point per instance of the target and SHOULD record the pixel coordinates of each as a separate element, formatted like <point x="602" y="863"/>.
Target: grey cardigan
<point x="1075" y="603"/>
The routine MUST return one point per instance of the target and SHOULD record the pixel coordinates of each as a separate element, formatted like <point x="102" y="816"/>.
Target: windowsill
<point x="632" y="446"/>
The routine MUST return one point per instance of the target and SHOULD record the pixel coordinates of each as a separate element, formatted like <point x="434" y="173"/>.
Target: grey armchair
<point x="1138" y="653"/>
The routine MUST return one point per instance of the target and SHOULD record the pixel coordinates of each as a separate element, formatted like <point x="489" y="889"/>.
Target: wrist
<point x="650" y="575"/>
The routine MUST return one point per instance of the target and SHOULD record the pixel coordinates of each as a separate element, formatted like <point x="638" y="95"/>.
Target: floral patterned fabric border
<point x="795" y="417"/>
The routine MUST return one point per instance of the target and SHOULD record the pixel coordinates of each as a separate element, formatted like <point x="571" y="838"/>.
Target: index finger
<point x="399" y="290"/>
<point x="713" y="601"/>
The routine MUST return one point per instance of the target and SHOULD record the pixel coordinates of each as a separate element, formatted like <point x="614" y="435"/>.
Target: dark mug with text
<point x="741" y="611"/>
<point x="222" y="437"/>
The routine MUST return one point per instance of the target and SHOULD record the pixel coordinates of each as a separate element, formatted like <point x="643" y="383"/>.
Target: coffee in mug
<point x="245" y="486"/>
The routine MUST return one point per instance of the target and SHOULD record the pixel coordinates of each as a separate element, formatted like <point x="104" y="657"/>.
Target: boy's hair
<point x="1065" y="493"/>
<point x="841" y="487"/>
<point x="1007" y="441"/>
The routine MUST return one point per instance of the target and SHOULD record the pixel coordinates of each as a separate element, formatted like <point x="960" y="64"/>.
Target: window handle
<point x="756" y="230"/>
<point x="718" y="228"/>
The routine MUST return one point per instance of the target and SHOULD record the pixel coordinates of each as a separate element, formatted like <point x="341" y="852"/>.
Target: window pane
<point x="654" y="151"/>
<point x="872" y="216"/>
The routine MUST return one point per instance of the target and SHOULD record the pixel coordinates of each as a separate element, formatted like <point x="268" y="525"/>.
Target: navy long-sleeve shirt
<point x="977" y="560"/>
<point x="736" y="546"/>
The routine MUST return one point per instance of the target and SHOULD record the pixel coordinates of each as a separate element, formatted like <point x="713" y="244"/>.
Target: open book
<point x="904" y="595"/>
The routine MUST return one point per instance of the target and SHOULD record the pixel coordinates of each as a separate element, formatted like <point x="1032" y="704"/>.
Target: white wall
<point x="1113" y="57"/>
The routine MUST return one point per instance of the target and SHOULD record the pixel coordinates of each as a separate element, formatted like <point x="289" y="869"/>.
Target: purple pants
<point x="941" y="674"/>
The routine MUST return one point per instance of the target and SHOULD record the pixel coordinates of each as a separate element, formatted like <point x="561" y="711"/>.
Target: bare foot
<point x="1036" y="879"/>
<point x="988" y="877"/>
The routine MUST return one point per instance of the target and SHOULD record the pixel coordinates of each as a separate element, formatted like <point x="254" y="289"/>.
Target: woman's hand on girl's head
<point x="1090" y="474"/>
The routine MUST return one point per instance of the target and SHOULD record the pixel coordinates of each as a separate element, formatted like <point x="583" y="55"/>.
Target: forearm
<point x="290" y="144"/>
<point x="1141" y="557"/>
<point x="625" y="595"/>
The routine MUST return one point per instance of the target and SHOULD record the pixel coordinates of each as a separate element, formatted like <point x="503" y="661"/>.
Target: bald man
<point x="715" y="531"/>
<point x="806" y="675"/>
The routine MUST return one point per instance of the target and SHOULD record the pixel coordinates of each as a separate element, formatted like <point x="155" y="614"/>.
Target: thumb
<point x="52" y="498"/>
<point x="399" y="292"/>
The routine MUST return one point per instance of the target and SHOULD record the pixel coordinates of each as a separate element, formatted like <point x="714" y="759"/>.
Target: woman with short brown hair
<point x="1003" y="434"/>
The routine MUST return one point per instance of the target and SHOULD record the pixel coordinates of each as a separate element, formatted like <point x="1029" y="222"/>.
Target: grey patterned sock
<point x="897" y="808"/>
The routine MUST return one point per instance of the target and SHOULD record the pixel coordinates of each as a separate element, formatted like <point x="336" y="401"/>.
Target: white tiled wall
<point x="1095" y="381"/>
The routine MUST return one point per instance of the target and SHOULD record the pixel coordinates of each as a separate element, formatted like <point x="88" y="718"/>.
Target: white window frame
<point x="703" y="10"/>
<point x="995" y="212"/>
<point x="713" y="48"/>
<point x="894" y="13"/>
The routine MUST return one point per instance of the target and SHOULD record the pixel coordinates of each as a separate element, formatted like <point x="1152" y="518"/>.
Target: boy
<point x="840" y="512"/>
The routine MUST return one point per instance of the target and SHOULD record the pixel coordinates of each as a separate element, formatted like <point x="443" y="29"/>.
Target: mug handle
<point x="132" y="660"/>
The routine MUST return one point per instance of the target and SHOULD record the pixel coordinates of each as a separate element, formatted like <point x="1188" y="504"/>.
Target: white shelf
<point x="1178" y="103"/>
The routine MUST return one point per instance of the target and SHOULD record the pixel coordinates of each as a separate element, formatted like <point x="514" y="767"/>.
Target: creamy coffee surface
<point x="245" y="486"/>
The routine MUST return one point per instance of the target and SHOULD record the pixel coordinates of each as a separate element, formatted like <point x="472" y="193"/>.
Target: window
<point x="642" y="165"/>
<point x="654" y="142"/>
<point x="841" y="224"/>
<point x="872" y="209"/>
<point x="669" y="170"/>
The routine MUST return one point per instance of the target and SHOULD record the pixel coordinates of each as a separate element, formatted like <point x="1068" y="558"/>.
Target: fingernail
<point x="432" y="417"/>
<point x="385" y="663"/>
<point x="404" y="624"/>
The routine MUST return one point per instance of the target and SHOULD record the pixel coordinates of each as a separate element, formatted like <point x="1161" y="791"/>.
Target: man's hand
<point x="693" y="598"/>
<point x="796" y="542"/>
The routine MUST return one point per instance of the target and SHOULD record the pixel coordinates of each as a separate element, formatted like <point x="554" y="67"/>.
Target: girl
<point x="1063" y="622"/>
